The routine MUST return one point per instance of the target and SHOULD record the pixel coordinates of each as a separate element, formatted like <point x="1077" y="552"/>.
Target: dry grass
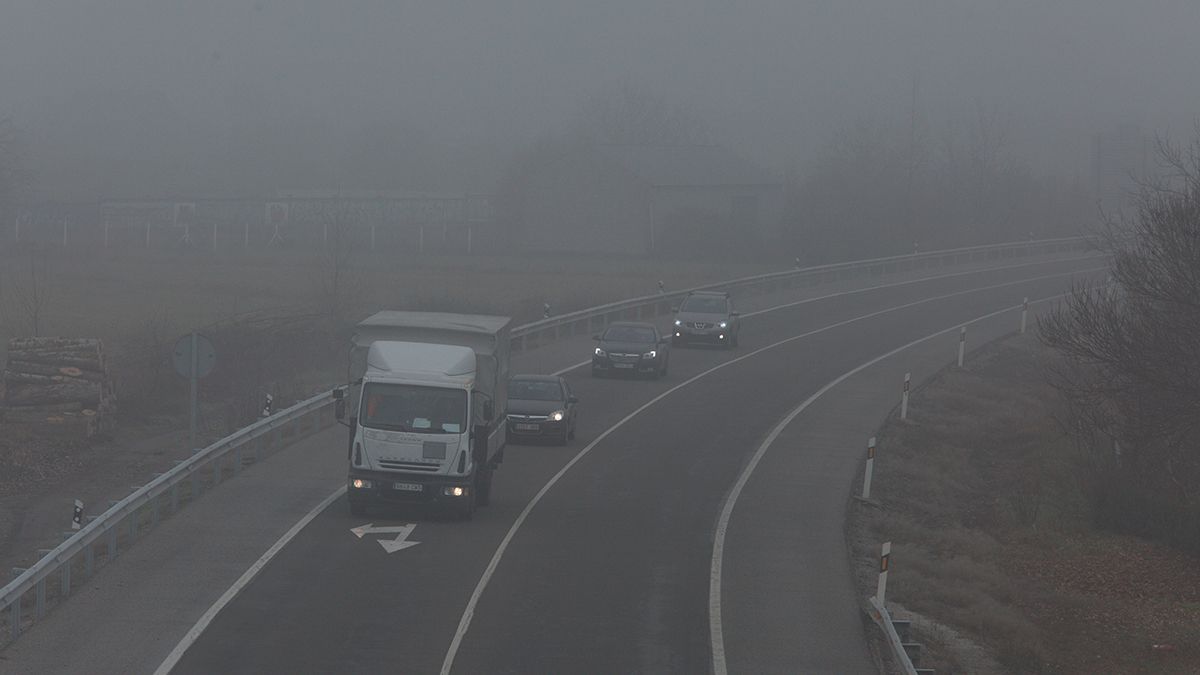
<point x="994" y="549"/>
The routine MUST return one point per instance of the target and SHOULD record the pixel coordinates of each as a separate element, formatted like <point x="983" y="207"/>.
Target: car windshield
<point x="402" y="407"/>
<point x="704" y="305"/>
<point x="629" y="334"/>
<point x="535" y="390"/>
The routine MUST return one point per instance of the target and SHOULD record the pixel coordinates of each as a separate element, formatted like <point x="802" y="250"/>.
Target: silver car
<point x="706" y="317"/>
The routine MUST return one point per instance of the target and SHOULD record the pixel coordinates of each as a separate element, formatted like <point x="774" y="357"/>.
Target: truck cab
<point x="423" y="420"/>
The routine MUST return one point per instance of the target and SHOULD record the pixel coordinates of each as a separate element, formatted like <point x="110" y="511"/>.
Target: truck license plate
<point x="622" y="365"/>
<point x="408" y="487"/>
<point x="527" y="427"/>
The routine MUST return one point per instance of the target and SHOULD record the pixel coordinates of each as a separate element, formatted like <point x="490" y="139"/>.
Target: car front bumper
<point x="388" y="487"/>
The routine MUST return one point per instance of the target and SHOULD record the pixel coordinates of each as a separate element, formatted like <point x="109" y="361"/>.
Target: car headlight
<point x="678" y="322"/>
<point x="600" y="352"/>
<point x="650" y="354"/>
<point x="724" y="324"/>
<point x="557" y="416"/>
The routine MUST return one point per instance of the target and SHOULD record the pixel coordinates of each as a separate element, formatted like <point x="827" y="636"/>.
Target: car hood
<point x="690" y="317"/>
<point x="523" y="406"/>
<point x="626" y="347"/>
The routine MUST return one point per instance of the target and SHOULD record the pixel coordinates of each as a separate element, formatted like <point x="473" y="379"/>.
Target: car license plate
<point x="408" y="487"/>
<point x="622" y="365"/>
<point x="527" y="427"/>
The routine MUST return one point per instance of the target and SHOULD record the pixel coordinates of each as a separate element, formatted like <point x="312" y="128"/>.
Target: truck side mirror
<point x="674" y="309"/>
<point x="572" y="400"/>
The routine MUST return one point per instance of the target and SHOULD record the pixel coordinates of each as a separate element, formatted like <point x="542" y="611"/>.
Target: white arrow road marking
<point x="390" y="545"/>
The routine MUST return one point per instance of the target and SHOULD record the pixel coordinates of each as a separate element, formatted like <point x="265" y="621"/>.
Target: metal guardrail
<point x="584" y="321"/>
<point x="126" y="519"/>
<point x="883" y="619"/>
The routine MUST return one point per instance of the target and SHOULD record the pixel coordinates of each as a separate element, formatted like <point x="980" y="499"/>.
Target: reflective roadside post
<point x="904" y="397"/>
<point x="866" y="493"/>
<point x="962" y="345"/>
<point x="884" y="562"/>
<point x="1024" y="314"/>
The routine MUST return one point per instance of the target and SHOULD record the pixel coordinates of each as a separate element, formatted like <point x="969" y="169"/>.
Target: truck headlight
<point x="678" y="322"/>
<point x="724" y="324"/>
<point x="600" y="352"/>
<point x="650" y="354"/>
<point x="557" y="415"/>
<point x="360" y="484"/>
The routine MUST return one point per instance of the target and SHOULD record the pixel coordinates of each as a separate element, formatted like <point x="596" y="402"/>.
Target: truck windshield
<point x="403" y="407"/>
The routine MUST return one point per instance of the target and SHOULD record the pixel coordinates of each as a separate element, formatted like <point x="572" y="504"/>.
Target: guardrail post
<point x="40" y="609"/>
<point x="216" y="470"/>
<point x="14" y="618"/>
<point x="133" y="525"/>
<point x="175" y="498"/>
<point x="112" y="543"/>
<point x="89" y="561"/>
<point x="65" y="577"/>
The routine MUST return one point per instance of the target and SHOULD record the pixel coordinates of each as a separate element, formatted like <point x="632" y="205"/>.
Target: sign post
<point x="194" y="357"/>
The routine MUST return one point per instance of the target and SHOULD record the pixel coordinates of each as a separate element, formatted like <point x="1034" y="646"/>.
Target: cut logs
<point x="58" y="385"/>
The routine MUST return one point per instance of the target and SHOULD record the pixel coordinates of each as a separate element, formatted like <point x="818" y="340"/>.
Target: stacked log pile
<point x="58" y="385"/>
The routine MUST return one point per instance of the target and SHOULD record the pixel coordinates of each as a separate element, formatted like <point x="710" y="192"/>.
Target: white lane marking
<point x="400" y="542"/>
<point x="867" y="289"/>
<point x="370" y="528"/>
<point x="465" y="622"/>
<point x="716" y="634"/>
<point x="192" y="635"/>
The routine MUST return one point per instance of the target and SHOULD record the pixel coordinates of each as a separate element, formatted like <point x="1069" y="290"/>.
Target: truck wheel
<point x="483" y="488"/>
<point x="466" y="510"/>
<point x="357" y="508"/>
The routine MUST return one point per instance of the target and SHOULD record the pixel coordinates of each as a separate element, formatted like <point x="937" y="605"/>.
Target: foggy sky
<point x="773" y="78"/>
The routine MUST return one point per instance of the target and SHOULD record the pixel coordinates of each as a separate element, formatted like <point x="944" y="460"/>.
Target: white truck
<point x="426" y="404"/>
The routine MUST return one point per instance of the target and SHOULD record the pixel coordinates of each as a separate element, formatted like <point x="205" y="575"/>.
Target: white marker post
<point x="546" y="310"/>
<point x="870" y="469"/>
<point x="962" y="345"/>
<point x="904" y="397"/>
<point x="884" y="560"/>
<point x="1024" y="314"/>
<point x="77" y="516"/>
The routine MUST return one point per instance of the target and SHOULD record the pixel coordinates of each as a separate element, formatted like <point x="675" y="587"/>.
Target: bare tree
<point x="33" y="295"/>
<point x="1133" y="361"/>
<point x="338" y="281"/>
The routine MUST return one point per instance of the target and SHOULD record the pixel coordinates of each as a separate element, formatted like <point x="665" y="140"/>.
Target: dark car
<point x="629" y="347"/>
<point x="541" y="407"/>
<point x="707" y="317"/>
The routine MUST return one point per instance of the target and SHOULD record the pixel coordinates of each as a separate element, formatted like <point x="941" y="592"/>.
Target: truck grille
<point x="396" y="465"/>
<point x="700" y="325"/>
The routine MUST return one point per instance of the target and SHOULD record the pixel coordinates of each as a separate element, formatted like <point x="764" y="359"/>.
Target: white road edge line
<point x="192" y="635"/>
<point x="716" y="634"/>
<point x="465" y="622"/>
<point x="866" y="289"/>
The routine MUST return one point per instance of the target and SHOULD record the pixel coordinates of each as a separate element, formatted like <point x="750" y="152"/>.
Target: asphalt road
<point x="610" y="571"/>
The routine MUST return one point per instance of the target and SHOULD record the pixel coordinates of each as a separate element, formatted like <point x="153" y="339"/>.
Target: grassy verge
<point x="995" y="553"/>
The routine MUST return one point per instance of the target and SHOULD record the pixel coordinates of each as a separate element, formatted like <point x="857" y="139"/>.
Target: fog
<point x="124" y="98"/>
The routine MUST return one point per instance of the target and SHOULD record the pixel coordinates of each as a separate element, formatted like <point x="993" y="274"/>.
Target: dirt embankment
<point x="995" y="554"/>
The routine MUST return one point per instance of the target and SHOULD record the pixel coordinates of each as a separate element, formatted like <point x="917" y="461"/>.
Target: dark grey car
<point x="541" y="407"/>
<point x="631" y="347"/>
<point x="707" y="317"/>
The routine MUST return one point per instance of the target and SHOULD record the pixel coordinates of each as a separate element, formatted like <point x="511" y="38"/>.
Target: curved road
<point x="610" y="570"/>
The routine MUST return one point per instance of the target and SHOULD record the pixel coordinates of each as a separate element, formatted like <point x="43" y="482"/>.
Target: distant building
<point x="1119" y="161"/>
<point x="641" y="199"/>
